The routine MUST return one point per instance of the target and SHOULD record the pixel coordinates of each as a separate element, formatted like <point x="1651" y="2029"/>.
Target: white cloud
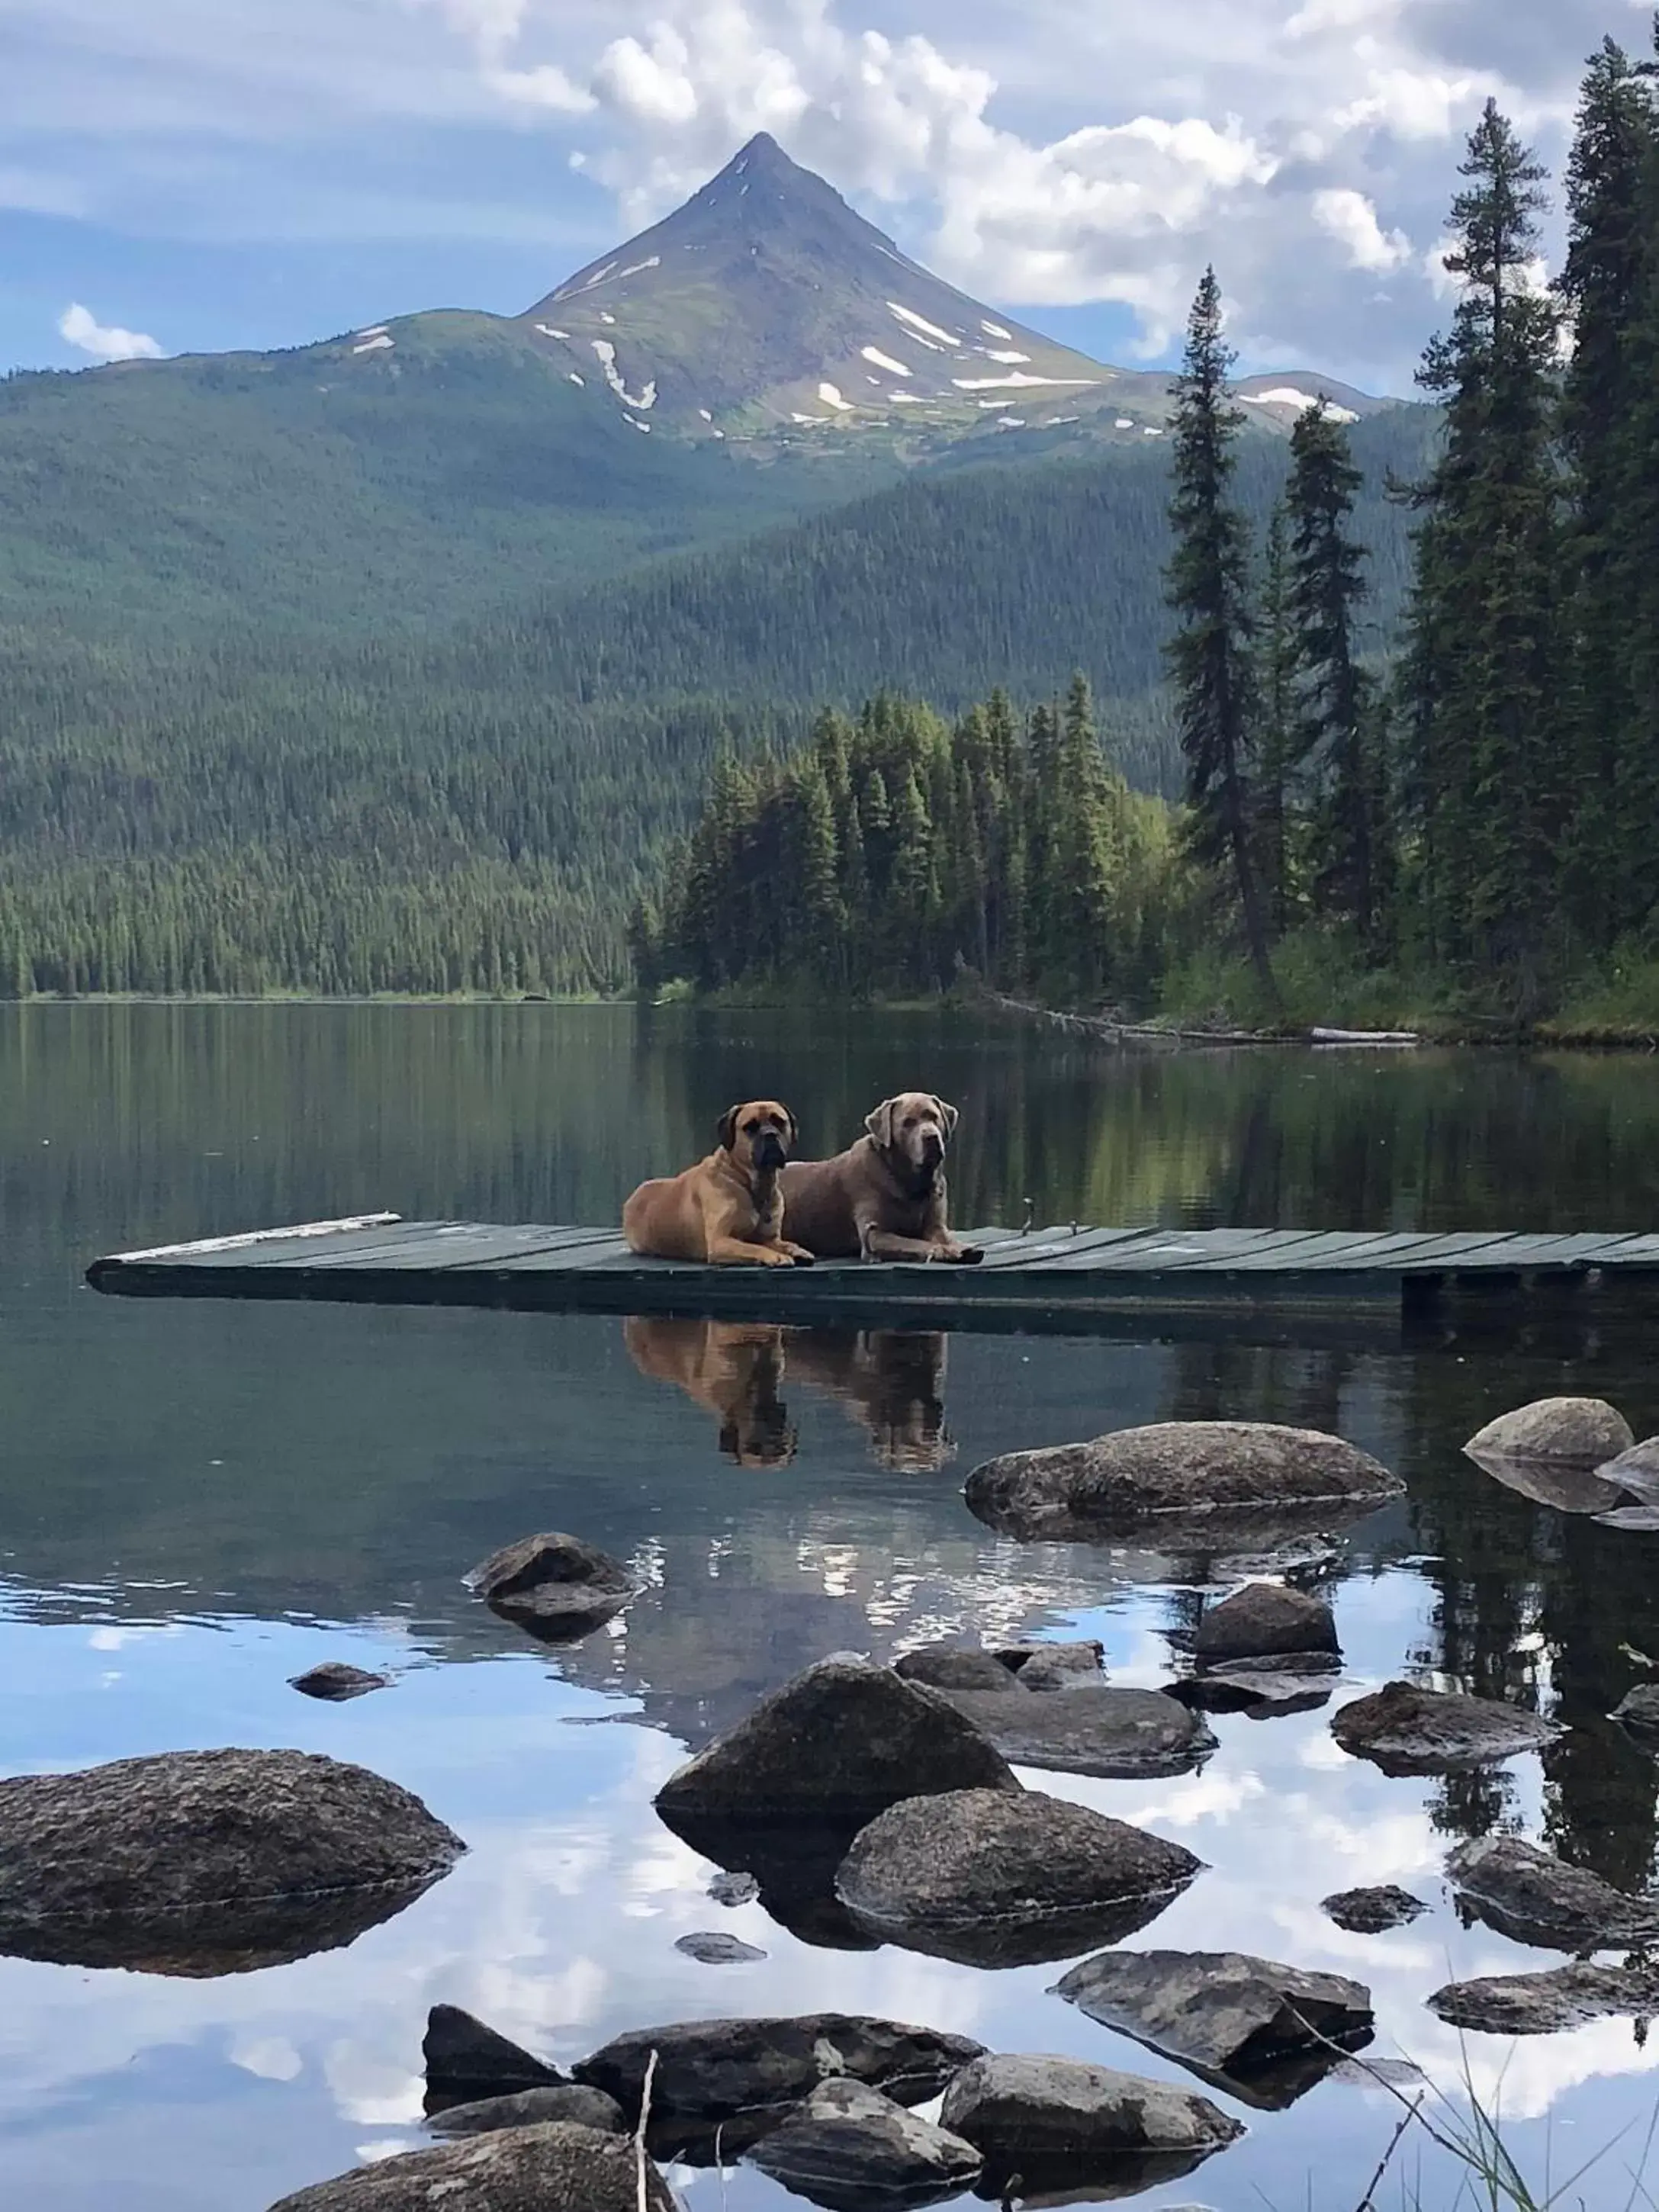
<point x="104" y="342"/>
<point x="1351" y="220"/>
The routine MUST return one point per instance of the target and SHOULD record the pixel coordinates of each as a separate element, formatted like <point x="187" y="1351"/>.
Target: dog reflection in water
<point x="891" y="1382"/>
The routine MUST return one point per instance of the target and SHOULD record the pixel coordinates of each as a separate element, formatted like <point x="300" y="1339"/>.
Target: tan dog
<point x="733" y="1370"/>
<point x="885" y="1197"/>
<point x="728" y="1210"/>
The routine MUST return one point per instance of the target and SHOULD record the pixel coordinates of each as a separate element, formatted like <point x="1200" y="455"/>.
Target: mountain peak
<point x="766" y="305"/>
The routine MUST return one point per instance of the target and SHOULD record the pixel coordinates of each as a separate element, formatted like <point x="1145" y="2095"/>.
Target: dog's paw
<point x="967" y="1256"/>
<point x="803" y="1258"/>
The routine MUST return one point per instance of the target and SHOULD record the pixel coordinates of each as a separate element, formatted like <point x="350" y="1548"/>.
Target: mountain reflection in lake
<point x="198" y="1500"/>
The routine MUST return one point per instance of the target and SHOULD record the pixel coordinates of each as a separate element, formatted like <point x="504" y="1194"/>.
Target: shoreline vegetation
<point x="1594" y="1022"/>
<point x="1454" y="842"/>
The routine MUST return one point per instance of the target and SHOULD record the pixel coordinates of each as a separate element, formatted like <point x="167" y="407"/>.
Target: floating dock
<point x="1031" y="1278"/>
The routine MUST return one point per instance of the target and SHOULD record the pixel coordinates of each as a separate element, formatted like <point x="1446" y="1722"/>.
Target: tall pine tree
<point x="1336" y="727"/>
<point x="1486" y="776"/>
<point x="1609" y="422"/>
<point x="1207" y="584"/>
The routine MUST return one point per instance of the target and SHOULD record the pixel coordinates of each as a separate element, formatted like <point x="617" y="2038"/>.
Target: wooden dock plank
<point x="1032" y="1279"/>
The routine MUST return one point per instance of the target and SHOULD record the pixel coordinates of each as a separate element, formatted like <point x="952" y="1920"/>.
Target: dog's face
<point x="915" y="1128"/>
<point x="759" y="1136"/>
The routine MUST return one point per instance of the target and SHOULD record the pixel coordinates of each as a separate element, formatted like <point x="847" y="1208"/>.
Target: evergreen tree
<point x="1609" y="421"/>
<point x="1208" y="589"/>
<point x="1335" y="724"/>
<point x="1278" y="730"/>
<point x="1485" y="767"/>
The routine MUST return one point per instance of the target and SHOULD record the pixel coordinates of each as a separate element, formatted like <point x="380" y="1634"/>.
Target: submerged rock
<point x="1090" y="1729"/>
<point x="1406" y="1730"/>
<point x="527" y="2108"/>
<point x="715" y="2070"/>
<point x="1371" y="1912"/>
<point x="1548" y="2004"/>
<point x="1016" y="2103"/>
<point x="844" y="1739"/>
<point x="1261" y="2030"/>
<point x="1262" y="1620"/>
<point x="466" y="2061"/>
<point x="1532" y="1897"/>
<point x="955" y="1667"/>
<point x="1069" y="1666"/>
<point x="337" y="1681"/>
<point x="1635" y="1473"/>
<point x="988" y="1878"/>
<point x="1585" y="1431"/>
<point x="1136" y="1477"/>
<point x="555" y="2169"/>
<point x="732" y="1888"/>
<point x="208" y="1861"/>
<point x="716" y="1950"/>
<point x="852" y="2149"/>
<point x="556" y="1586"/>
<point x="1286" y="1682"/>
<point x="1638" y="1711"/>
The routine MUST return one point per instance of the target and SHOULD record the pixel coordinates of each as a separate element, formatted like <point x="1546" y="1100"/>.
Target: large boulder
<point x="1372" y="1912"/>
<point x="1583" y="1430"/>
<point x="465" y="2060"/>
<point x="208" y="1861"/>
<point x="718" y="2072"/>
<point x="1061" y="2130"/>
<point x="1125" y="1734"/>
<point x="1549" y="2003"/>
<point x="529" y="2108"/>
<point x="1532" y="1897"/>
<point x="1173" y="1470"/>
<point x="555" y="2168"/>
<point x="556" y="1586"/>
<point x="990" y="1878"/>
<point x="1264" y="2032"/>
<point x="1262" y="1619"/>
<point x="1076" y="1664"/>
<point x="852" y="2149"/>
<point x="1407" y="1730"/>
<point x="844" y="1740"/>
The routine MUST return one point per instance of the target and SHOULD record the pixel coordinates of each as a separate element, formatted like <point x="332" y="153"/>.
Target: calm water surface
<point x="198" y="1500"/>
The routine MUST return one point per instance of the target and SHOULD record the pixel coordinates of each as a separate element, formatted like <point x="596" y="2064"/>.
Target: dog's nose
<point x="932" y="1143"/>
<point x="769" y="1150"/>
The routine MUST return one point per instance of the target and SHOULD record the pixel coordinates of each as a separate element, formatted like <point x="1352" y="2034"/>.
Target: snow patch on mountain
<point x="1290" y="395"/>
<point x="831" y="397"/>
<point x="379" y="343"/>
<point x="637" y="268"/>
<point x="607" y="357"/>
<point x="548" y="331"/>
<point x="1018" y="380"/>
<point x="1010" y="359"/>
<point x="921" y="324"/>
<point x="995" y="330"/>
<point x="885" y="360"/>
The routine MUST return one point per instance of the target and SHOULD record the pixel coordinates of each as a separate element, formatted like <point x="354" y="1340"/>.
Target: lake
<point x="199" y="1499"/>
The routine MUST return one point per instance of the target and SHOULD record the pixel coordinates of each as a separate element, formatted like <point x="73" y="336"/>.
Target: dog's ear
<point x="947" y="1113"/>
<point x="794" y="1128"/>
<point x="725" y="1132"/>
<point x="880" y="1125"/>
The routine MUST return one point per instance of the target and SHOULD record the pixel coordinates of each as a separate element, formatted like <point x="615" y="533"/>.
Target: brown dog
<point x="728" y="1210"/>
<point x="885" y="1197"/>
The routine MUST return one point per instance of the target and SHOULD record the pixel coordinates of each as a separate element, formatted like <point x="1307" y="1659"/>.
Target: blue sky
<point x="203" y="174"/>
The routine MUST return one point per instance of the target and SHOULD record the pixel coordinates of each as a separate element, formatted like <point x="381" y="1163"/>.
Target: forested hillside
<point x="477" y="809"/>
